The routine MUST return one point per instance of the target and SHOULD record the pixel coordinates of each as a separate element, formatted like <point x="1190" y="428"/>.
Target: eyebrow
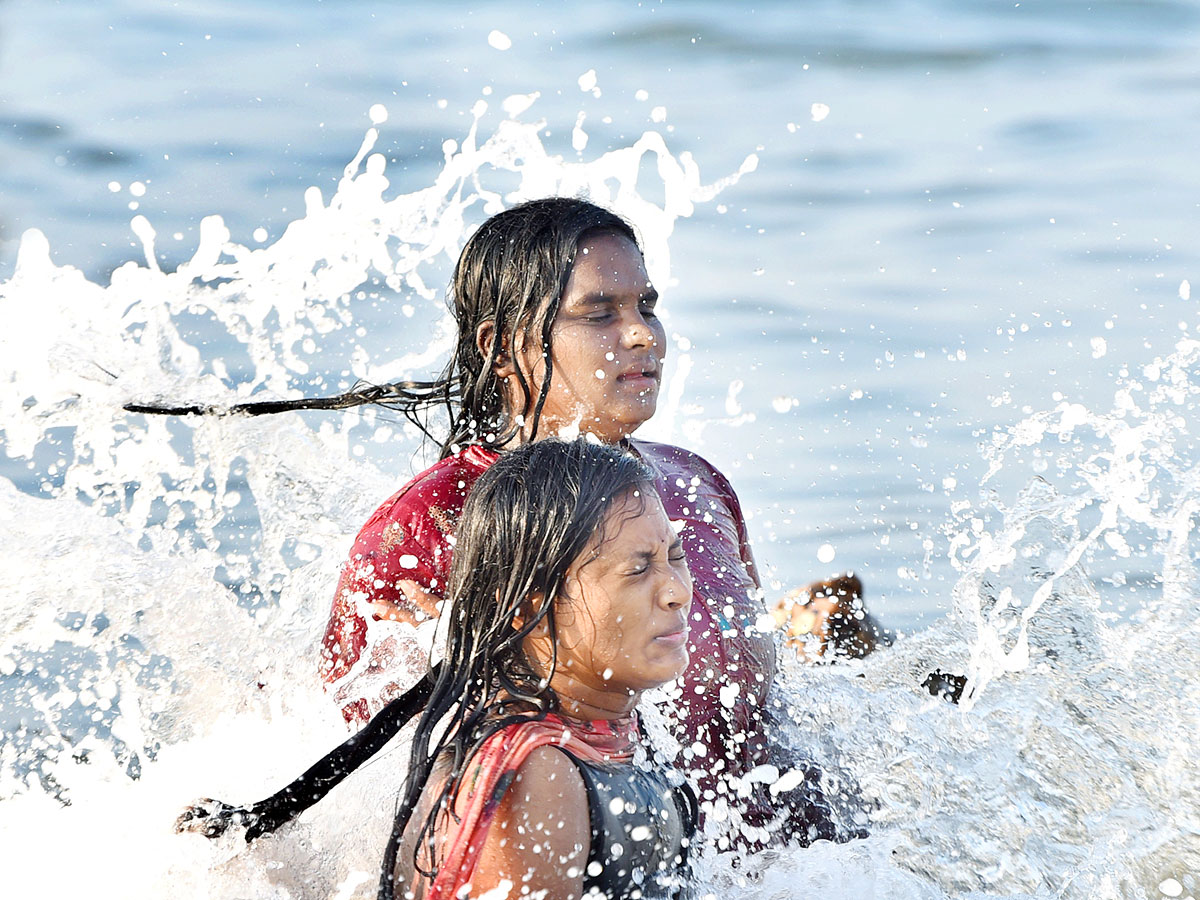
<point x="600" y="298"/>
<point x="648" y="555"/>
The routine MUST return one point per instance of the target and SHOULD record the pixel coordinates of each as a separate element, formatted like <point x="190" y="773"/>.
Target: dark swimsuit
<point x="641" y="826"/>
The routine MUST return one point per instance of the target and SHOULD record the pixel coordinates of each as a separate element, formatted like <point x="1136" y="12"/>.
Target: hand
<point x="828" y="619"/>
<point x="418" y="605"/>
<point x="390" y="653"/>
<point x="211" y="818"/>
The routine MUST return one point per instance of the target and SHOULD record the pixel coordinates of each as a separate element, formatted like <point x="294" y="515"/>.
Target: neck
<point x="550" y="427"/>
<point x="580" y="701"/>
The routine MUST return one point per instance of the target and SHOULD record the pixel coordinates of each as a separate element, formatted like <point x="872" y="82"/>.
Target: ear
<point x="518" y="619"/>
<point x="485" y="335"/>
<point x="538" y="644"/>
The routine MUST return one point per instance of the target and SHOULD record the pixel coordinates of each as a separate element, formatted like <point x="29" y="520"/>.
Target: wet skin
<point x="621" y="628"/>
<point x="607" y="347"/>
<point x="622" y="622"/>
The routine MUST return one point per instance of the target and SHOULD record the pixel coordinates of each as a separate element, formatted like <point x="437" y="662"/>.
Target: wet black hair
<point x="512" y="273"/>
<point x="527" y="519"/>
<point x="530" y="515"/>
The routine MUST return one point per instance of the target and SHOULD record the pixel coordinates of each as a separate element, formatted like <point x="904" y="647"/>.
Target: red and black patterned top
<point x="719" y="716"/>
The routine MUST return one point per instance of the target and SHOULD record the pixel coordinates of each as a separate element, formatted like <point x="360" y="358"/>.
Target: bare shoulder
<point x="541" y="835"/>
<point x="554" y="768"/>
<point x="547" y="789"/>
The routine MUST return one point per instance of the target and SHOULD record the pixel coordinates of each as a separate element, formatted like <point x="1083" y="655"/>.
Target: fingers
<point x="206" y="816"/>
<point x="416" y="605"/>
<point x="802" y="612"/>
<point x="390" y="612"/>
<point x="781" y="612"/>
<point x="805" y="620"/>
<point x="424" y="600"/>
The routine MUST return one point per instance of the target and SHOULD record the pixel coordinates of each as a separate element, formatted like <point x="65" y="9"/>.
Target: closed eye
<point x="642" y="563"/>
<point x="645" y="559"/>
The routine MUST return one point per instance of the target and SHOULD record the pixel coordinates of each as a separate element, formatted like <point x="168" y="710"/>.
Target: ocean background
<point x="931" y="260"/>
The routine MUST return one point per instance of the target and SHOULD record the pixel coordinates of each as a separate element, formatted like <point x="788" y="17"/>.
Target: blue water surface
<point x="996" y="186"/>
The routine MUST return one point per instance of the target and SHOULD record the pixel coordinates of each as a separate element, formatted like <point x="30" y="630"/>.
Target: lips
<point x="677" y="635"/>
<point x="641" y="373"/>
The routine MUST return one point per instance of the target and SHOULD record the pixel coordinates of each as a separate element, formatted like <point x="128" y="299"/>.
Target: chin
<point x="633" y="419"/>
<point x="615" y="430"/>
<point x="665" y="672"/>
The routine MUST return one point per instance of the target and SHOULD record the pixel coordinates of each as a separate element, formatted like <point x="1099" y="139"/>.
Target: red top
<point x="732" y="664"/>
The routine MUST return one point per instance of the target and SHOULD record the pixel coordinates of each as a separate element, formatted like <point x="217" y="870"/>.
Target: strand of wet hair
<point x="475" y="698"/>
<point x="403" y="396"/>
<point x="213" y="818"/>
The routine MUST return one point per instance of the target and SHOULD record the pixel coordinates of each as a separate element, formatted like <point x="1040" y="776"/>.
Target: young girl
<point x="569" y="595"/>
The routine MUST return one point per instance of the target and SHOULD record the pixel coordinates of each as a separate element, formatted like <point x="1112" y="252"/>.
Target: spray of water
<point x="170" y="576"/>
<point x="1067" y="769"/>
<point x="167" y="578"/>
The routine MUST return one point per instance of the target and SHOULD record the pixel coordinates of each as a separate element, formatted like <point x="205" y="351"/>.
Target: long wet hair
<point x="512" y="272"/>
<point x="530" y="515"/>
<point x="528" y="518"/>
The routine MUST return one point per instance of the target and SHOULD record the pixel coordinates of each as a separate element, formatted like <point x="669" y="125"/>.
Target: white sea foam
<point x="168" y="580"/>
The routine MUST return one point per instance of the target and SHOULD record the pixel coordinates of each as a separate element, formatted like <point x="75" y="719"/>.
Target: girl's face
<point x="607" y="346"/>
<point x="622" y="624"/>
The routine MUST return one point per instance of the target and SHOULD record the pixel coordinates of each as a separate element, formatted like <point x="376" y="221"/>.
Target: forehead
<point x="632" y="524"/>
<point x="606" y="264"/>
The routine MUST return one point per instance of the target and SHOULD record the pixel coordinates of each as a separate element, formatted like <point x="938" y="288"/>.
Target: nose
<point x="637" y="331"/>
<point x="676" y="590"/>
